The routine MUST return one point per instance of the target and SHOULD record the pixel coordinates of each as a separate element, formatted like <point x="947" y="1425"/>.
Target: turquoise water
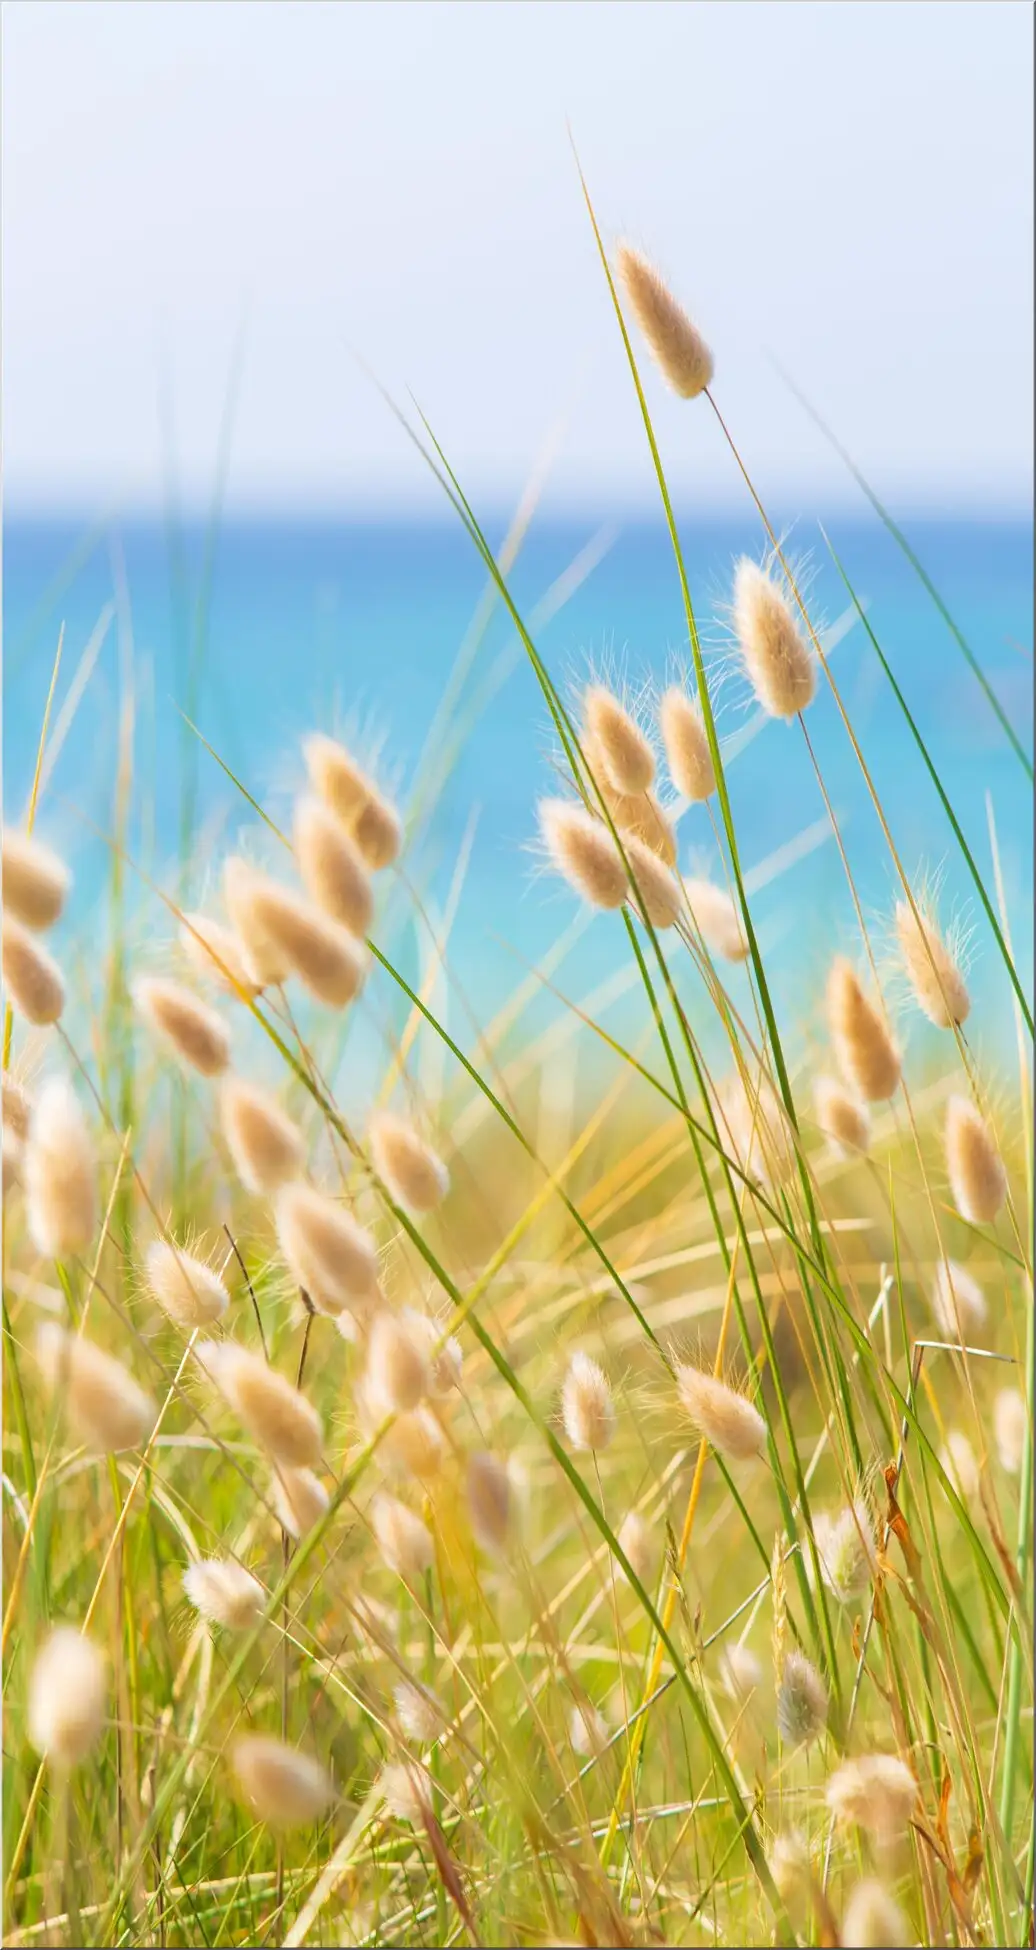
<point x="358" y="626"/>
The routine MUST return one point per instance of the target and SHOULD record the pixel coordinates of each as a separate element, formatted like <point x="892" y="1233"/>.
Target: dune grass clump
<point x="474" y="1483"/>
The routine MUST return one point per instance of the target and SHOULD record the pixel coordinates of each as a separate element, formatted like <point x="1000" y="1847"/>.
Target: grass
<point x="609" y="1205"/>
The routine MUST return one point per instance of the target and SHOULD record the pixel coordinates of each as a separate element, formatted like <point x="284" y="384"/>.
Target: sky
<point x="309" y="193"/>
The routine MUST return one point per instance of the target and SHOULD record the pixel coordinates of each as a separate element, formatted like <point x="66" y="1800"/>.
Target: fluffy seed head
<point x="619" y="744"/>
<point x="872" y="1920"/>
<point x="68" y="1690"/>
<point x="354" y="799"/>
<point x="328" y="1253"/>
<point x="588" y="1730"/>
<point x="587" y="1408"/>
<point x="285" y="1788"/>
<point x="104" y="1405"/>
<point x="32" y="978"/>
<point x="299" y="1499"/>
<point x="197" y="1035"/>
<point x="960" y="1462"/>
<point x="186" y="1288"/>
<point x="724" y="1417"/>
<point x="780" y="665"/>
<point x="224" y="1593"/>
<point x="864" y="1049"/>
<point x="34" y="881"/>
<point x="583" y="852"/>
<point x="332" y="867"/>
<point x="444" y="1367"/>
<point x="740" y="1672"/>
<point x="1010" y="1425"/>
<point x="656" y="891"/>
<point x="265" y="1145"/>
<point x="958" y="1302"/>
<point x="845" y="1548"/>
<point x="877" y="1792"/>
<point x="412" y="1447"/>
<point x="216" y="954"/>
<point x="419" y="1713"/>
<point x="801" y="1701"/>
<point x="842" y="1118"/>
<point x="415" y="1176"/>
<point x="404" y="1541"/>
<point x="791" y="1868"/>
<point x="17" y="1110"/>
<point x="716" y="919"/>
<point x="638" y="1545"/>
<point x="60" y="1173"/>
<point x="397" y="1363"/>
<point x="274" y="1412"/>
<point x="489" y="1501"/>
<point x="686" y="745"/>
<point x="323" y="954"/>
<point x="675" y="343"/>
<point x="266" y="959"/>
<point x="406" y="1790"/>
<point x="639" y="816"/>
<point x="977" y="1176"/>
<point x="933" y="974"/>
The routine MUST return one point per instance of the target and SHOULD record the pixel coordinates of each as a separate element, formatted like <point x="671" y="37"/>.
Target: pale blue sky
<point x="845" y="185"/>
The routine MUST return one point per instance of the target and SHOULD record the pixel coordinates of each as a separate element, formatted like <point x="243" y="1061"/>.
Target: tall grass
<point x="608" y="1668"/>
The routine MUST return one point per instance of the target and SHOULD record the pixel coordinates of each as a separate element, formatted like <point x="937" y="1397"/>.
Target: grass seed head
<point x="619" y="745"/>
<point x="723" y="1416"/>
<point x="105" y="1407"/>
<point x="674" y="341"/>
<point x="264" y="956"/>
<point x="196" y="1034"/>
<point x="17" y="1108"/>
<point x="716" y="919"/>
<point x="873" y="1920"/>
<point x="266" y="1147"/>
<point x="489" y="1501"/>
<point x="405" y="1542"/>
<point x="397" y="1363"/>
<point x="877" y="1793"/>
<point x="935" y="978"/>
<point x="780" y="664"/>
<point x="216" y="954"/>
<point x="283" y="1787"/>
<point x="588" y="1730"/>
<point x="656" y="892"/>
<point x="754" y="1130"/>
<point x="419" y="1713"/>
<point x="740" y="1672"/>
<point x="406" y="1790"/>
<point x="415" y="1176"/>
<point x="860" y="1037"/>
<point x="224" y="1593"/>
<point x="59" y="1170"/>
<point x="274" y="1412"/>
<point x="958" y="1302"/>
<point x="686" y="745"/>
<point x="791" y="1867"/>
<point x="328" y="1253"/>
<point x="638" y="816"/>
<point x="960" y="1462"/>
<point x="802" y="1702"/>
<point x="68" y="1691"/>
<point x="444" y="1366"/>
<point x="842" y="1118"/>
<point x="325" y="956"/>
<point x="1010" y="1427"/>
<point x="34" y="982"/>
<point x="34" y="881"/>
<point x="332" y="867"/>
<point x="587" y="1408"/>
<point x="188" y="1290"/>
<point x="299" y="1499"/>
<point x="978" y="1180"/>
<point x="583" y="852"/>
<point x="355" y="800"/>
<point x="845" y="1548"/>
<point x="638" y="1545"/>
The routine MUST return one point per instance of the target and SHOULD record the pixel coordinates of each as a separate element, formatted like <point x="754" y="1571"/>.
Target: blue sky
<point x="845" y="186"/>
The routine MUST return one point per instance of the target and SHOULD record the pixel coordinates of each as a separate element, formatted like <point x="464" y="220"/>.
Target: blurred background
<point x="226" y="226"/>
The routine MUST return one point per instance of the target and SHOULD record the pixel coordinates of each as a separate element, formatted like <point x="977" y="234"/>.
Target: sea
<point x="193" y="651"/>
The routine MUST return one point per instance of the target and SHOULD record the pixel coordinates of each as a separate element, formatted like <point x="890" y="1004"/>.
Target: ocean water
<point x="357" y="627"/>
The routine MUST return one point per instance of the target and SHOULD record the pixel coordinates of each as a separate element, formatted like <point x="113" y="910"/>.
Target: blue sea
<point x="268" y="629"/>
